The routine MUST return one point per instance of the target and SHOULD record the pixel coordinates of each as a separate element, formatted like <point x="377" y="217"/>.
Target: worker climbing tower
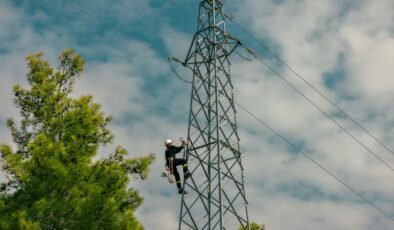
<point x="216" y="198"/>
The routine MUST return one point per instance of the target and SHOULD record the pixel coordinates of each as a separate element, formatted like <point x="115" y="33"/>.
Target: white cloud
<point x="136" y="83"/>
<point x="311" y="38"/>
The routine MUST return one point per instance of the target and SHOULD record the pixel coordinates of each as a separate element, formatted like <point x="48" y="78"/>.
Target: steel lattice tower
<point x="216" y="198"/>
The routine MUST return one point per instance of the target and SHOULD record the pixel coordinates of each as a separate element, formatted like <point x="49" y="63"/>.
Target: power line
<point x="327" y="115"/>
<point x="310" y="85"/>
<point x="183" y="8"/>
<point x="81" y="10"/>
<point x="309" y="100"/>
<point x="315" y="162"/>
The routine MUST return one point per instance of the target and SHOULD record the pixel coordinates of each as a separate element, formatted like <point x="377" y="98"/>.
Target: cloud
<point x="291" y="24"/>
<point x="134" y="83"/>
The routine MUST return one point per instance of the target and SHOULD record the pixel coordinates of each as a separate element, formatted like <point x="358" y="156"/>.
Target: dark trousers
<point x="176" y="162"/>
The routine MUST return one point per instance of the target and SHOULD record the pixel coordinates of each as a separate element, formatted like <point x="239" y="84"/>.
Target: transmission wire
<point x="81" y="10"/>
<point x="266" y="47"/>
<point x="309" y="100"/>
<point x="327" y="115"/>
<point x="314" y="161"/>
<point x="183" y="8"/>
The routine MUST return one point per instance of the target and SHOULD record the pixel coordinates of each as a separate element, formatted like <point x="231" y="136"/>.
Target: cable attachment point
<point x="250" y="52"/>
<point x="177" y="60"/>
<point x="170" y="59"/>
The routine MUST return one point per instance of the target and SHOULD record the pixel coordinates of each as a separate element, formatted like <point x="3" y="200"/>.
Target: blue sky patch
<point x="335" y="77"/>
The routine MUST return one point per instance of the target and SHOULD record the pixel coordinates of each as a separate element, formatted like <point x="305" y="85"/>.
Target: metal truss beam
<point x="216" y="198"/>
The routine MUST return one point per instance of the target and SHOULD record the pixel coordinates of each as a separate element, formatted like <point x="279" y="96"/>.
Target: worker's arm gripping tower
<point x="216" y="196"/>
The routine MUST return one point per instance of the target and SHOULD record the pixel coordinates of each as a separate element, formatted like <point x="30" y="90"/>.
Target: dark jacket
<point x="171" y="151"/>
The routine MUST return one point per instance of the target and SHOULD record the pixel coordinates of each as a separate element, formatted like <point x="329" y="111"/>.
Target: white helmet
<point x="167" y="142"/>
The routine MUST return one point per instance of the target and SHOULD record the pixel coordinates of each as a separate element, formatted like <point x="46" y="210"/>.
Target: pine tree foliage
<point x="253" y="226"/>
<point x="53" y="183"/>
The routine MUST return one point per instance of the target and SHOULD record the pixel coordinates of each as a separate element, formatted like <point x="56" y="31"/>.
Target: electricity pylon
<point x="216" y="198"/>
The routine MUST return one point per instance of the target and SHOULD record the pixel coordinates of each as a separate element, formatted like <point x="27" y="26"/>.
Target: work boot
<point x="181" y="191"/>
<point x="187" y="175"/>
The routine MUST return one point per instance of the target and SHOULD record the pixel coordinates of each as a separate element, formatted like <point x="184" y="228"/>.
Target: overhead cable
<point x="327" y="115"/>
<point x="309" y="100"/>
<point x="282" y="62"/>
<point x="315" y="162"/>
<point x="81" y="10"/>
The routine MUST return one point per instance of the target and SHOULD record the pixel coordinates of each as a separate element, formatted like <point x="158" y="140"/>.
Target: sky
<point x="343" y="48"/>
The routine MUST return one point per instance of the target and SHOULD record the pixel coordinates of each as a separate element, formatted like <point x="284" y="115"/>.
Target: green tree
<point x="253" y="226"/>
<point x="53" y="183"/>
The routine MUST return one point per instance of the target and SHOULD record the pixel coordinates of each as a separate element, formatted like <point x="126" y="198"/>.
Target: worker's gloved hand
<point x="184" y="143"/>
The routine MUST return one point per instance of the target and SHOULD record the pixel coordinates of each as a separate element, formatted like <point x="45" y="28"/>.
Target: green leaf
<point x="53" y="181"/>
